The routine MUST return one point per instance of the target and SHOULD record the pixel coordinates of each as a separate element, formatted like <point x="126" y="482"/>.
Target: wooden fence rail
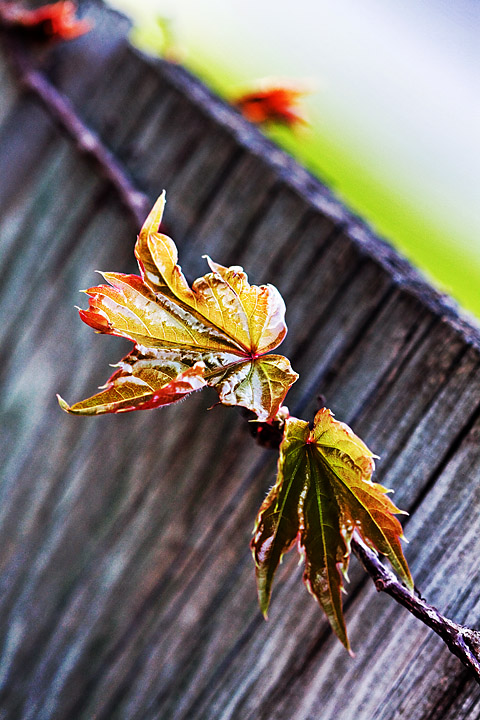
<point x="127" y="582"/>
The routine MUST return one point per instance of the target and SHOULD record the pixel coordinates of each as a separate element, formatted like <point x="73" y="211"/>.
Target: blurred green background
<point x="394" y="113"/>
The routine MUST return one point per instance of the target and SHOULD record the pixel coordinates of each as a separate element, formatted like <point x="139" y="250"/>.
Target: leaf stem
<point x="461" y="641"/>
<point x="63" y="113"/>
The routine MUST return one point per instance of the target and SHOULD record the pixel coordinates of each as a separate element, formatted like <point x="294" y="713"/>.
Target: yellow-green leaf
<point x="141" y="387"/>
<point x="364" y="504"/>
<point x="324" y="546"/>
<point x="222" y="326"/>
<point x="278" y="521"/>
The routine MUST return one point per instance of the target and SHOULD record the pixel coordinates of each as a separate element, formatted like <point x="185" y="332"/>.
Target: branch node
<point x="382" y="584"/>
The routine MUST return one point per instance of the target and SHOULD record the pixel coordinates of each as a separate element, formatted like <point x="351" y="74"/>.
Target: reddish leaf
<point x="122" y="392"/>
<point x="273" y="101"/>
<point x="54" y="21"/>
<point x="222" y="326"/>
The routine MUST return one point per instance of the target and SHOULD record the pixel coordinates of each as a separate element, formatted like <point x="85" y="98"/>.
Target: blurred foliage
<point x="374" y="193"/>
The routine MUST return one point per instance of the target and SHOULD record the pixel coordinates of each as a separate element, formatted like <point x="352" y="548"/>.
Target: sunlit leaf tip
<point x="63" y="404"/>
<point x="154" y="218"/>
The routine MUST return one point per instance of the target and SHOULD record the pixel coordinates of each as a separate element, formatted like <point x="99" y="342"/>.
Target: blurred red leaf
<point x="53" y="21"/>
<point x="273" y="101"/>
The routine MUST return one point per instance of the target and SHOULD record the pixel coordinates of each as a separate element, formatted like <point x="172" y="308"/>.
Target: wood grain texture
<point x="127" y="582"/>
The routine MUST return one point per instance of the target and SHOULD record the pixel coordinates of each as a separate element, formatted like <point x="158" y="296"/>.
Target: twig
<point x="461" y="641"/>
<point x="64" y="114"/>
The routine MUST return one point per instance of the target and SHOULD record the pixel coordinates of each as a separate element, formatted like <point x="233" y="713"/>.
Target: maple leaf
<point x="53" y="21"/>
<point x="273" y="101"/>
<point x="217" y="332"/>
<point x="323" y="494"/>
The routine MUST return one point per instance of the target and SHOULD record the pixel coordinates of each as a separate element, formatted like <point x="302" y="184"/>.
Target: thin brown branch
<point x="461" y="641"/>
<point x="63" y="113"/>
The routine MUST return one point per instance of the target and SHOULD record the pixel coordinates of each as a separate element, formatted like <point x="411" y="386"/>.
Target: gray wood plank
<point x="10" y="90"/>
<point x="127" y="583"/>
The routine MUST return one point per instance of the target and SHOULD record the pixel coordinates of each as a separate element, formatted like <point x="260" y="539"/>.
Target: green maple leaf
<point x="217" y="332"/>
<point x="323" y="494"/>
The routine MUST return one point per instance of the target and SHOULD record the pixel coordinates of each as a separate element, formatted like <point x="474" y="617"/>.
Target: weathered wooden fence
<point x="127" y="582"/>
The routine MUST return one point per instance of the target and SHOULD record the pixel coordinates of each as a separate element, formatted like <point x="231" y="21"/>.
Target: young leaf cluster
<point x="219" y="332"/>
<point x="324" y="493"/>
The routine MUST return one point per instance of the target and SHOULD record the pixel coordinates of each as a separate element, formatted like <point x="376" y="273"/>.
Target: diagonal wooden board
<point x="127" y="584"/>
